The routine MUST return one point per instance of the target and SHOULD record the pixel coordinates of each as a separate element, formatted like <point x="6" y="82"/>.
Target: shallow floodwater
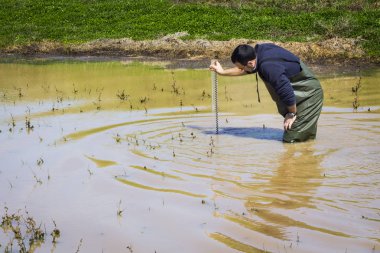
<point x="82" y="141"/>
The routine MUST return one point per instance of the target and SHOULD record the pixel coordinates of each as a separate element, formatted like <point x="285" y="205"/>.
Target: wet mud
<point x="340" y="51"/>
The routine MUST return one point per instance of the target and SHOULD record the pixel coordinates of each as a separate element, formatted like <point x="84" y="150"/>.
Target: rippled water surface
<point x="81" y="142"/>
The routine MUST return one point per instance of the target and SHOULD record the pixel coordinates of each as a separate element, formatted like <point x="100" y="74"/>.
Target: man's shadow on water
<point x="260" y="133"/>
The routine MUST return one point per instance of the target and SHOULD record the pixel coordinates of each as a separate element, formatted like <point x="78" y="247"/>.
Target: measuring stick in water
<point x="214" y="102"/>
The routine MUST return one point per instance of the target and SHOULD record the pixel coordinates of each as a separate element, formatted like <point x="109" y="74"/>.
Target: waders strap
<point x="257" y="89"/>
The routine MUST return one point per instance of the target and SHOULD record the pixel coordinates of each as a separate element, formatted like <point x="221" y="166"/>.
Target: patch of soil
<point x="341" y="51"/>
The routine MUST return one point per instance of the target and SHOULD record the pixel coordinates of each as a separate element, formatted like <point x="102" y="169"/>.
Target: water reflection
<point x="95" y="86"/>
<point x="291" y="189"/>
<point x="297" y="177"/>
<point x="164" y="160"/>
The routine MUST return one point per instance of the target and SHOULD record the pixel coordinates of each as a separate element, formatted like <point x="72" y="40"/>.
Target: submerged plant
<point x="75" y="91"/>
<point x="24" y="231"/>
<point x="28" y="125"/>
<point x="174" y="87"/>
<point x="130" y="249"/>
<point x="40" y="161"/>
<point x="211" y="151"/>
<point x="38" y="180"/>
<point x="195" y="108"/>
<point x="119" y="210"/>
<point x="118" y="138"/>
<point x="143" y="100"/>
<point x="122" y="95"/>
<point x="55" y="233"/>
<point x="20" y="95"/>
<point x="13" y="123"/>
<point x="80" y="245"/>
<point x="90" y="172"/>
<point x="226" y="95"/>
<point x="204" y="95"/>
<point x="355" y="90"/>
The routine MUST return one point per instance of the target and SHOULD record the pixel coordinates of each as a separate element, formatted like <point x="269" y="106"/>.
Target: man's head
<point x="244" y="57"/>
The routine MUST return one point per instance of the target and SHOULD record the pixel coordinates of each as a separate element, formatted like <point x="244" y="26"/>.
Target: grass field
<point x="26" y="21"/>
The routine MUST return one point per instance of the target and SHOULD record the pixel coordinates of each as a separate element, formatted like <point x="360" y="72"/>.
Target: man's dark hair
<point x="243" y="54"/>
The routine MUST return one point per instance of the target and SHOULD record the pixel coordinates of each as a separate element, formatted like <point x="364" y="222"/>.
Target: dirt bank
<point x="336" y="50"/>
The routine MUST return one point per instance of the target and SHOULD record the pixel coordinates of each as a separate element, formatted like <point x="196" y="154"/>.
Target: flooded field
<point x="123" y="157"/>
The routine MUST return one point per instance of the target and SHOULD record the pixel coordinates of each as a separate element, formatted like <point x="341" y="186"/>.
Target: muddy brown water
<point x="139" y="138"/>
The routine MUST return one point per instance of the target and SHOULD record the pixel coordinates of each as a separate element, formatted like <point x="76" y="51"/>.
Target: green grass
<point x="74" y="21"/>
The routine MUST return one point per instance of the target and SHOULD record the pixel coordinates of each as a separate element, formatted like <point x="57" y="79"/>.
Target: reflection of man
<point x="292" y="186"/>
<point x="297" y="93"/>
<point x="298" y="174"/>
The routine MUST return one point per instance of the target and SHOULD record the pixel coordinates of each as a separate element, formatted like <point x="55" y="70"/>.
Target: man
<point x="297" y="93"/>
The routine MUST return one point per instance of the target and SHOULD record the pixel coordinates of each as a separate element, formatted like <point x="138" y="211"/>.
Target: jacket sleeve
<point x="274" y="74"/>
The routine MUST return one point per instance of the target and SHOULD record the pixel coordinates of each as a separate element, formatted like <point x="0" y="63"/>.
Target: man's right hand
<point x="215" y="66"/>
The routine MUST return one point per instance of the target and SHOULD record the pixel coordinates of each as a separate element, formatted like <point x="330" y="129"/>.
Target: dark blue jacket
<point x="275" y="65"/>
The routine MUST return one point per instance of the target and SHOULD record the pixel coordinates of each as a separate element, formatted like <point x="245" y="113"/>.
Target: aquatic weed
<point x="13" y="122"/>
<point x="40" y="161"/>
<point x="80" y="245"/>
<point x="118" y="138"/>
<point x="56" y="233"/>
<point x="119" y="210"/>
<point x="210" y="152"/>
<point x="29" y="127"/>
<point x="75" y="91"/>
<point x="38" y="180"/>
<point x="20" y="94"/>
<point x="204" y="95"/>
<point x="355" y="90"/>
<point x="24" y="231"/>
<point x="122" y="95"/>
<point x="226" y="96"/>
<point x="144" y="100"/>
<point x="130" y="248"/>
<point x="90" y="172"/>
<point x="174" y="87"/>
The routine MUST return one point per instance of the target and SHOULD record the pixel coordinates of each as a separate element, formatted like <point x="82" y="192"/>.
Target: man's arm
<point x="215" y="66"/>
<point x="292" y="109"/>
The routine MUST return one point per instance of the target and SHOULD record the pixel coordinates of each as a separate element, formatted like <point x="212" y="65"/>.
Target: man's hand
<point x="215" y="66"/>
<point x="289" y="120"/>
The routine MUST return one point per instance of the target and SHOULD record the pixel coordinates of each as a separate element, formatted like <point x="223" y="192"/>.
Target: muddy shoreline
<point x="337" y="54"/>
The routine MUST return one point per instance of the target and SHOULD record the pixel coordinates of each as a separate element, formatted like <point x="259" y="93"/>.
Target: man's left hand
<point x="288" y="121"/>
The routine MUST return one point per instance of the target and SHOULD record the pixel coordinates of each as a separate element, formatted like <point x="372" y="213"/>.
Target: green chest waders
<point x="309" y="101"/>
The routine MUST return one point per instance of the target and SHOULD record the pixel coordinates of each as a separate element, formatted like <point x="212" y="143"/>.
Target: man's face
<point x="250" y="67"/>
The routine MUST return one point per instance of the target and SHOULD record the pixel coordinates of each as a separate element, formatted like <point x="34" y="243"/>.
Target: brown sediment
<point x="151" y="171"/>
<point x="230" y="242"/>
<point x="282" y="220"/>
<point x="333" y="50"/>
<point x="146" y="187"/>
<point x="101" y="163"/>
<point x="81" y="134"/>
<point x="254" y="225"/>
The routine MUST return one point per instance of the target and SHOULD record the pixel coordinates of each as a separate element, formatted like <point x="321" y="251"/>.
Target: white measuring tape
<point x="214" y="102"/>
